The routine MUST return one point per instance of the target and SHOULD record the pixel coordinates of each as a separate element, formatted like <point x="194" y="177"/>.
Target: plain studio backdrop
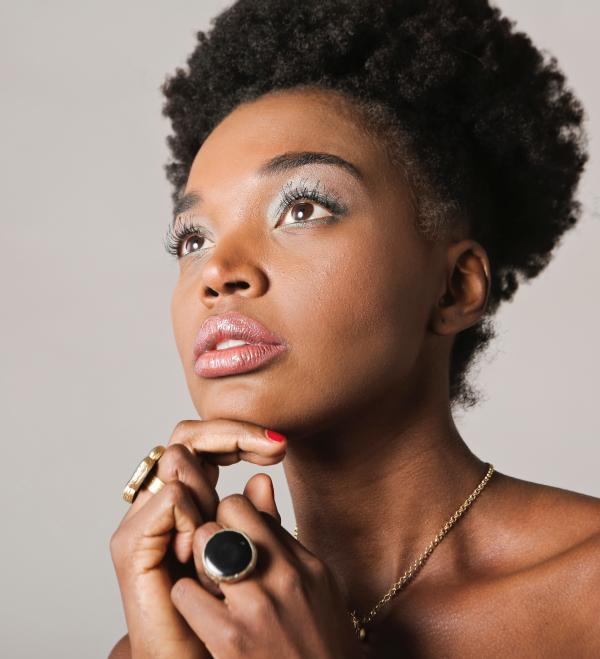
<point x="90" y="376"/>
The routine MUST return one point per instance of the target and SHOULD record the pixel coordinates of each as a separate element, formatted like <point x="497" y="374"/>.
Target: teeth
<point x="229" y="344"/>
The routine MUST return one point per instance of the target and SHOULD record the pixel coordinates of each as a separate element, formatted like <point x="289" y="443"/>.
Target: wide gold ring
<point x="141" y="473"/>
<point x="153" y="484"/>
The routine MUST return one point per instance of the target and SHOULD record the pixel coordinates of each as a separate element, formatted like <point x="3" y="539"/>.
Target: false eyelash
<point x="302" y="191"/>
<point x="185" y="227"/>
<point x="177" y="233"/>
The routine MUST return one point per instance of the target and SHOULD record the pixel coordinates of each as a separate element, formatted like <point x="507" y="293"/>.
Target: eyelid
<point x="180" y="230"/>
<point x="295" y="190"/>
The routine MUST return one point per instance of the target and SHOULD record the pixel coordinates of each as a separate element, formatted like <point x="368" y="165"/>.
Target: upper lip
<point x="232" y="325"/>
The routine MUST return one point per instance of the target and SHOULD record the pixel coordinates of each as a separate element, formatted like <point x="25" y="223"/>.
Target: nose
<point x="231" y="273"/>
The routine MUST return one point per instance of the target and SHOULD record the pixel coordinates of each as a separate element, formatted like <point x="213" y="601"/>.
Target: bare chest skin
<point x="532" y="591"/>
<point x="549" y="610"/>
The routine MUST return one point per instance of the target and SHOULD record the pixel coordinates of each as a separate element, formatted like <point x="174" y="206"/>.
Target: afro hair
<point x="482" y="122"/>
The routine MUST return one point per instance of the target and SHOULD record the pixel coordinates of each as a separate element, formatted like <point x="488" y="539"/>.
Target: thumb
<point x="259" y="489"/>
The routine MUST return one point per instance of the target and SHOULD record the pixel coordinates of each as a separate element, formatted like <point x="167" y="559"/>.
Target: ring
<point x="153" y="484"/>
<point x="229" y="555"/>
<point x="141" y="472"/>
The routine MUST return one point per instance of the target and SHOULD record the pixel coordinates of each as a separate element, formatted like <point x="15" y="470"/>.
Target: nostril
<point x="241" y="284"/>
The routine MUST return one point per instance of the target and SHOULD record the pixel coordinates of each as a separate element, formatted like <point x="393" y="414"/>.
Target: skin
<point x="373" y="459"/>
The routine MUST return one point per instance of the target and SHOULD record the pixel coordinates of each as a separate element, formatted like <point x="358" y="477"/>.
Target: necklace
<point x="361" y="623"/>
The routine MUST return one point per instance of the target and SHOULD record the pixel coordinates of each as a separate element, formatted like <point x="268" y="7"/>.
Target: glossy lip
<point x="232" y="325"/>
<point x="263" y="346"/>
<point x="239" y="359"/>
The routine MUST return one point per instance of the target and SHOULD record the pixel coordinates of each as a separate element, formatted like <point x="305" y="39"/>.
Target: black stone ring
<point x="229" y="556"/>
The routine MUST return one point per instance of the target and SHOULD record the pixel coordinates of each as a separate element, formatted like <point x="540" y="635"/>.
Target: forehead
<point x="286" y="121"/>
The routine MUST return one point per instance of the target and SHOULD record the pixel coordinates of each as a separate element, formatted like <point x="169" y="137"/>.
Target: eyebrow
<point x="276" y="165"/>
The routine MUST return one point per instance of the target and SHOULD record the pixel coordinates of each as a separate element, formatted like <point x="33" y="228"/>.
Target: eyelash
<point x="177" y="234"/>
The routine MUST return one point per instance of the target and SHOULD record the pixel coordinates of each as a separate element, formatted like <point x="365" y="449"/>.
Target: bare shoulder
<point x="547" y="549"/>
<point x="122" y="649"/>
<point x="558" y="518"/>
<point x="573" y="518"/>
<point x="535" y="524"/>
<point x="524" y="578"/>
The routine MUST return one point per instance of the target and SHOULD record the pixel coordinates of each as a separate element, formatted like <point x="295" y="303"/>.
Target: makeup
<point x="231" y="343"/>
<point x="237" y="359"/>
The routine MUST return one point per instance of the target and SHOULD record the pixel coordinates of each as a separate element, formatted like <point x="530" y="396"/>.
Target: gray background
<point x="90" y="377"/>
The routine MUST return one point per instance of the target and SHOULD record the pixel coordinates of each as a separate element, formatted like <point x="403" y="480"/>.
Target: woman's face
<point x="351" y="296"/>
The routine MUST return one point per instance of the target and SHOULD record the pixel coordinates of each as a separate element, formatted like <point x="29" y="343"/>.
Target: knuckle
<point x="175" y="492"/>
<point x="116" y="544"/>
<point x="201" y="536"/>
<point x="198" y="540"/>
<point x="180" y="590"/>
<point x="178" y="451"/>
<point x="290" y="581"/>
<point x="260" y="607"/>
<point x="121" y="548"/>
<point x="180" y="431"/>
<point x="174" y="458"/>
<point x="233" y="501"/>
<point x="318" y="569"/>
<point x="233" y="639"/>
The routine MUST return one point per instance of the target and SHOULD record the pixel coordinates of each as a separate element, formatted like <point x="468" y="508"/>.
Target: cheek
<point x="362" y="315"/>
<point x="184" y="320"/>
<point x="353" y="310"/>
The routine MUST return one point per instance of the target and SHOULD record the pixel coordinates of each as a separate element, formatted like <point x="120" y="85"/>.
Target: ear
<point x="464" y="296"/>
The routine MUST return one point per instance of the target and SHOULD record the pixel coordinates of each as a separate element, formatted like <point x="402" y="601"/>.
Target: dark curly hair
<point x="481" y="122"/>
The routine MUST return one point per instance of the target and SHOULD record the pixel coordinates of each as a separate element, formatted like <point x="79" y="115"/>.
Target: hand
<point x="289" y="606"/>
<point x="152" y="546"/>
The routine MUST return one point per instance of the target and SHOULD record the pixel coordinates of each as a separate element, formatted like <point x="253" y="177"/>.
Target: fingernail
<point x="275" y="436"/>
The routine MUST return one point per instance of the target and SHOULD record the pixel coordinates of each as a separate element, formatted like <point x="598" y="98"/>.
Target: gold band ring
<point x="141" y="473"/>
<point x="153" y="484"/>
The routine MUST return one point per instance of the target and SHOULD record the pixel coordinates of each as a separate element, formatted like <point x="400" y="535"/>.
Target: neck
<point x="371" y="493"/>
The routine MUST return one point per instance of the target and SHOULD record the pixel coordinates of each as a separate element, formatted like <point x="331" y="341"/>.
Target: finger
<point x="281" y="559"/>
<point x="221" y="441"/>
<point x="149" y="531"/>
<point x="236" y="595"/>
<point x="260" y="491"/>
<point x="229" y="441"/>
<point x="237" y="511"/>
<point x="179" y="462"/>
<point x="225" y="459"/>
<point x="208" y="616"/>
<point x="201" y="536"/>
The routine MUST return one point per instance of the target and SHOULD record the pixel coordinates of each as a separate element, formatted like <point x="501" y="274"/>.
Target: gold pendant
<point x="361" y="632"/>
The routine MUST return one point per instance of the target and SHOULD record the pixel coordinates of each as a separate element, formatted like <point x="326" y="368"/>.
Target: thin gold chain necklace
<point x="361" y="623"/>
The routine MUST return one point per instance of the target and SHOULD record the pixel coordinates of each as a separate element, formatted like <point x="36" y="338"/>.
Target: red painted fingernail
<point x="275" y="436"/>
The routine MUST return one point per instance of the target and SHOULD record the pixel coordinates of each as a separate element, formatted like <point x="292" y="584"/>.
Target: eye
<point x="305" y="211"/>
<point x="191" y="244"/>
<point x="309" y="205"/>
<point x="185" y="238"/>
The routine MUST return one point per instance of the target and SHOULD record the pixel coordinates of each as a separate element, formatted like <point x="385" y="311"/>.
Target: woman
<point x="357" y="186"/>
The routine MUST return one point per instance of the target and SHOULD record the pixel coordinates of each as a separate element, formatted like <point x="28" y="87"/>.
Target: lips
<point x="233" y="325"/>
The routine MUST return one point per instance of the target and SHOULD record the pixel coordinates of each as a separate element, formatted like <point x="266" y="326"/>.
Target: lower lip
<point x="239" y="359"/>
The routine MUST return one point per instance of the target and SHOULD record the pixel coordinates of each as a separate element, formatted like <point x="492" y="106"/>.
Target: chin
<point x="265" y="413"/>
